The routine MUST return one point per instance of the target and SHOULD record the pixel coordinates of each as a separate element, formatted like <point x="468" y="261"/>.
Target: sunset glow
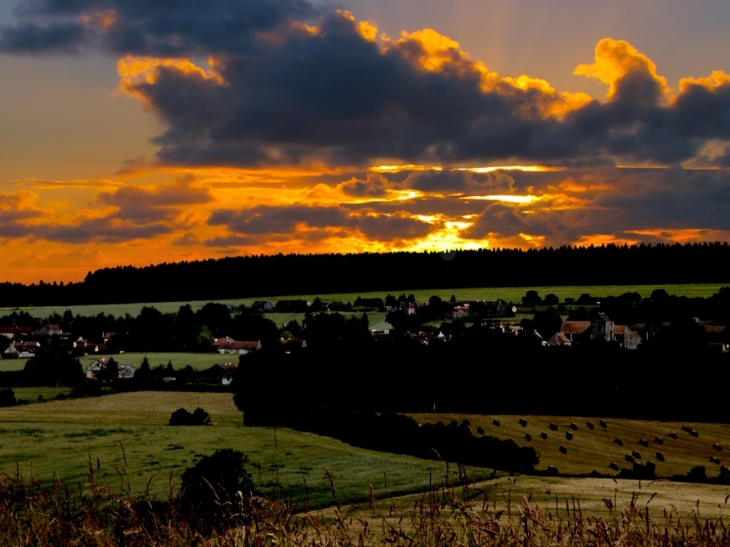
<point x="136" y="135"/>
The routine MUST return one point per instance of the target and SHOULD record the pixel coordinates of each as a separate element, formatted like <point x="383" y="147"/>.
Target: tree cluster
<point x="323" y="273"/>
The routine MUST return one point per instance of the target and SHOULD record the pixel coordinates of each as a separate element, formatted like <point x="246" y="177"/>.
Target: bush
<point x="7" y="398"/>
<point x="216" y="490"/>
<point x="183" y="417"/>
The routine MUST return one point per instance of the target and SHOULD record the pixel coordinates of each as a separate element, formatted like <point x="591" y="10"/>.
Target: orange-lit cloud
<point x="290" y="128"/>
<point x="617" y="58"/>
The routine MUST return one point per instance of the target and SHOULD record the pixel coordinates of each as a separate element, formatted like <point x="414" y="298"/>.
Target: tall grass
<point x="35" y="514"/>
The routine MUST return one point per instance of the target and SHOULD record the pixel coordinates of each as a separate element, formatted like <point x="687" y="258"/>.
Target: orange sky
<point x="325" y="132"/>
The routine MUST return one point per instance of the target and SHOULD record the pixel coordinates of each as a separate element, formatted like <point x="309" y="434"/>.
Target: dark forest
<point x="253" y="276"/>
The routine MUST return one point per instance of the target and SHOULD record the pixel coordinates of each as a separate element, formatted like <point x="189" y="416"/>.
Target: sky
<point x="136" y="132"/>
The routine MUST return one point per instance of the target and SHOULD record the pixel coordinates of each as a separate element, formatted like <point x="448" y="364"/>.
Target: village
<point x="430" y="323"/>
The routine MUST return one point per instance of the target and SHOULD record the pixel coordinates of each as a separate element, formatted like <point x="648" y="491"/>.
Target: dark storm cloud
<point x="152" y="28"/>
<point x="284" y="94"/>
<point x="312" y="222"/>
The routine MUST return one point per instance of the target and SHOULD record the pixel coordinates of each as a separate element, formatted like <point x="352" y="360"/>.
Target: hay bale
<point x="590" y="425"/>
<point x="636" y="454"/>
<point x="543" y="435"/>
<point x="660" y="456"/>
<point x="562" y="449"/>
<point x="523" y="422"/>
<point x="603" y="424"/>
<point x="528" y="437"/>
<point x="717" y="447"/>
<point x="569" y="435"/>
<point x="553" y="427"/>
<point x="618" y="441"/>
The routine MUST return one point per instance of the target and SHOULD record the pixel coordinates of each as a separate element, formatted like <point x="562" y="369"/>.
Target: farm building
<point x="263" y="306"/>
<point x="126" y="372"/>
<point x="228" y="345"/>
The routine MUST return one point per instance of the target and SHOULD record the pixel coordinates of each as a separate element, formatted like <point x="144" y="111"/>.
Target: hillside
<point x="595" y="449"/>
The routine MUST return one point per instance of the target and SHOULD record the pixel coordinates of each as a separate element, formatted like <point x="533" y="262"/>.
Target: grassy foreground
<point x="127" y="441"/>
<point x="34" y="514"/>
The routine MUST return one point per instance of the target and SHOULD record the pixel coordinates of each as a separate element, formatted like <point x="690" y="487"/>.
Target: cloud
<point x="293" y="85"/>
<point x="19" y="215"/>
<point x="138" y="213"/>
<point x="264" y="222"/>
<point x="646" y="205"/>
<point x="139" y="27"/>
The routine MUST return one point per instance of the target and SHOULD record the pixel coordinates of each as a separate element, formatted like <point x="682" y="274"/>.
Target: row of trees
<point x="334" y="273"/>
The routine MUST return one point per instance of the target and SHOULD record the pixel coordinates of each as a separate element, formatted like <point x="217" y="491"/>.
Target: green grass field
<point x="126" y="441"/>
<point x="62" y="437"/>
<point x="595" y="449"/>
<point x="509" y="294"/>
<point x="12" y="364"/>
<point x="199" y="361"/>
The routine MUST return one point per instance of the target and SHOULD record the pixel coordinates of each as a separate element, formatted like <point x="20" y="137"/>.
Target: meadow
<point x="179" y="360"/>
<point x="509" y="294"/>
<point x="126" y="441"/>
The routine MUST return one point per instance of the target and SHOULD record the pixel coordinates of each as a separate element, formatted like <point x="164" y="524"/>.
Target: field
<point x="595" y="449"/>
<point x="63" y="437"/>
<point x="509" y="294"/>
<point x="127" y="442"/>
<point x="199" y="361"/>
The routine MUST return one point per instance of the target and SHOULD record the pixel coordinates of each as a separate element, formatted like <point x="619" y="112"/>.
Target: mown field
<point x="509" y="294"/>
<point x="595" y="449"/>
<point x="125" y="439"/>
<point x="561" y="498"/>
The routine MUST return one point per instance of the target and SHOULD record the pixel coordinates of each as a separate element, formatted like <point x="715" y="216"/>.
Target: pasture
<point x="509" y="294"/>
<point x="125" y="440"/>
<point x="198" y="361"/>
<point x="595" y="449"/>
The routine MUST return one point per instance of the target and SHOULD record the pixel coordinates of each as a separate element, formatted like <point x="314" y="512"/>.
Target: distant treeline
<point x="253" y="276"/>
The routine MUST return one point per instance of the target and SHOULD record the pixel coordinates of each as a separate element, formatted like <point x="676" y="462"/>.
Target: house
<point x="264" y="306"/>
<point x="461" y="312"/>
<point x="602" y="328"/>
<point x="226" y="372"/>
<point x="576" y="331"/>
<point x="22" y="350"/>
<point x="559" y="340"/>
<point x="235" y="347"/>
<point x="13" y="333"/>
<point x="49" y="329"/>
<point x="126" y="372"/>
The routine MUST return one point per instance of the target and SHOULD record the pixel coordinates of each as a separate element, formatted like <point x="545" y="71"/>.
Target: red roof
<point x="575" y="327"/>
